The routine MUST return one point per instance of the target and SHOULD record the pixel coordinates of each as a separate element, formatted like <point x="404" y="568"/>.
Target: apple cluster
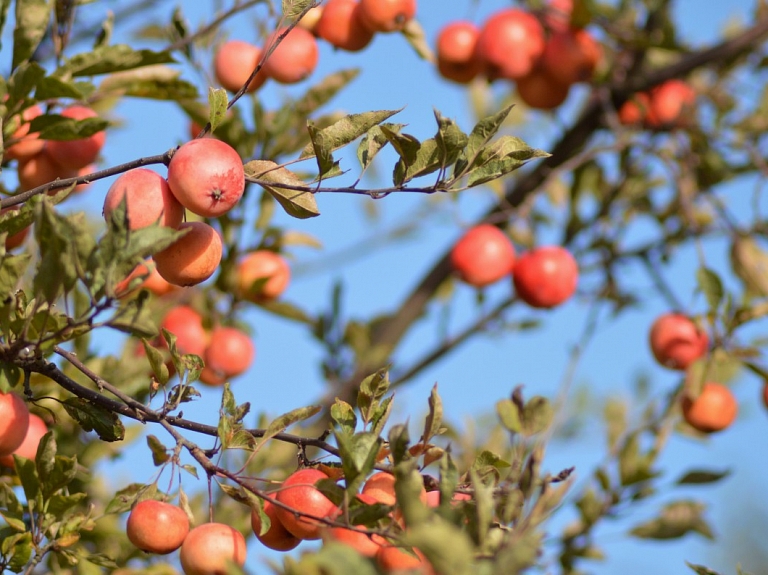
<point x="541" y="52"/>
<point x="544" y="277"/>
<point x="665" y="106"/>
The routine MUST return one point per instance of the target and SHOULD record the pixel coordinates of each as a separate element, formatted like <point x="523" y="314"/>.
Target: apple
<point x="76" y="154"/>
<point x="483" y="255"/>
<point x="14" y="422"/>
<point x="294" y="59"/>
<point x="456" y="51"/>
<point x="14" y="241"/>
<point x="207" y="177"/>
<point x="157" y="527"/>
<point x="193" y="258"/>
<point x="713" y="410"/>
<point x="277" y="537"/>
<point x="340" y="25"/>
<point x="209" y="548"/>
<point x="187" y="325"/>
<point x="229" y="353"/>
<point x="510" y="44"/>
<point x="41" y="169"/>
<point x="233" y="64"/>
<point x="541" y="91"/>
<point x="545" y="277"/>
<point x="28" y="448"/>
<point x="669" y="103"/>
<point x="393" y="559"/>
<point x="24" y="145"/>
<point x="571" y="56"/>
<point x="300" y="494"/>
<point x="386" y="15"/>
<point x="364" y="544"/>
<point x="147" y="197"/>
<point x="262" y="275"/>
<point x="676" y="341"/>
<point x="635" y="110"/>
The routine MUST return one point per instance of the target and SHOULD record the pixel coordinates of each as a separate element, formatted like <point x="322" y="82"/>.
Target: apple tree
<point x="637" y="136"/>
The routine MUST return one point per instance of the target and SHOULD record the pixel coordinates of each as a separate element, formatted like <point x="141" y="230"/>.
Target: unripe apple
<point x="262" y="275"/>
<point x="713" y="410"/>
<point x="294" y="59"/>
<point x="483" y="255"/>
<point x="233" y="64"/>
<point x="676" y="341"/>
<point x="386" y="15"/>
<point x="456" y="51"/>
<point x="340" y="25"/>
<point x="76" y="154"/>
<point x="510" y="43"/>
<point x="207" y="177"/>
<point x="28" y="448"/>
<point x="300" y="494"/>
<point x="148" y="200"/>
<point x="545" y="277"/>
<point x="208" y="549"/>
<point x="14" y="422"/>
<point x="157" y="527"/>
<point x="187" y="325"/>
<point x="229" y="353"/>
<point x="277" y="537"/>
<point x="26" y="144"/>
<point x="193" y="258"/>
<point x="541" y="91"/>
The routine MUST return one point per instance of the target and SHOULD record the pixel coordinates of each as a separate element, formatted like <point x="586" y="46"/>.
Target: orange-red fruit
<point x="456" y="52"/>
<point x="157" y="527"/>
<point x="262" y="275"/>
<point x="545" y="277"/>
<point x="433" y="498"/>
<point x="28" y="447"/>
<point x="14" y="422"/>
<point x="541" y="91"/>
<point x="676" y="341"/>
<point x="187" y="325"/>
<point x="14" y="241"/>
<point x="207" y="177"/>
<point x="295" y="57"/>
<point x="483" y="255"/>
<point x="152" y="281"/>
<point x="41" y="169"/>
<point x="510" y="43"/>
<point x="340" y="26"/>
<point x="713" y="410"/>
<point x="393" y="559"/>
<point x="571" y="56"/>
<point x="277" y="536"/>
<point x="386" y="15"/>
<point x="669" y="103"/>
<point x="300" y="494"/>
<point x="229" y="353"/>
<point x="557" y="15"/>
<point x="148" y="199"/>
<point x="233" y="64"/>
<point x="311" y="18"/>
<point x="209" y="548"/>
<point x="76" y="154"/>
<point x="26" y="145"/>
<point x="193" y="258"/>
<point x="635" y="110"/>
<point x="381" y="487"/>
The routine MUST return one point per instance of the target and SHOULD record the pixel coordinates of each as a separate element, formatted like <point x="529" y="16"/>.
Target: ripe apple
<point x="386" y="15"/>
<point x="456" y="51"/>
<point x="76" y="154"/>
<point x="229" y="353"/>
<point x="148" y="200"/>
<point x="392" y="559"/>
<point x="41" y="169"/>
<point x="233" y="64"/>
<point x="28" y="448"/>
<point x="483" y="255"/>
<point x="364" y="544"/>
<point x="676" y="341"/>
<point x="295" y="57"/>
<point x="14" y="422"/>
<point x="571" y="56"/>
<point x="209" y="547"/>
<point x="340" y="25"/>
<point x="635" y="110"/>
<point x="157" y="527"/>
<point x="207" y="177"/>
<point x="277" y="536"/>
<point x="713" y="410"/>
<point x="541" y="91"/>
<point x="187" y="325"/>
<point x="262" y="275"/>
<point x="669" y="103"/>
<point x="433" y="498"/>
<point x="545" y="277"/>
<point x="152" y="281"/>
<point x="14" y="241"/>
<point x="510" y="43"/>
<point x="381" y="487"/>
<point x="300" y="494"/>
<point x="193" y="258"/>
<point x="25" y="145"/>
<point x="557" y="15"/>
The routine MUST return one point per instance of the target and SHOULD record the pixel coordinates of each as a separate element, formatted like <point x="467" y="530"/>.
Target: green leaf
<point x="345" y="131"/>
<point x="56" y="127"/>
<point x="711" y="286"/>
<point x="450" y="140"/>
<point x="135" y="317"/>
<point x="292" y="9"/>
<point x="298" y="203"/>
<point x="32" y="17"/>
<point x="92" y="417"/>
<point x="217" y="106"/>
<point x="537" y="415"/>
<point x="434" y="419"/>
<point x="58" y="266"/>
<point x="159" y="451"/>
<point x="344" y="416"/>
<point x="4" y="6"/>
<point x="27" y="473"/>
<point x="407" y="147"/>
<point x="509" y="415"/>
<point x="23" y="80"/>
<point x="676" y="520"/>
<point x="481" y="134"/>
<point x="12" y="268"/>
<point x="321" y="150"/>
<point x="447" y="547"/>
<point x="158" y="82"/>
<point x="281" y="423"/>
<point x="373" y="141"/>
<point x="701" y="570"/>
<point x="502" y="157"/>
<point x="398" y="442"/>
<point x="702" y="477"/>
<point x="156" y="362"/>
<point x="52" y="87"/>
<point x="358" y="456"/>
<point x="371" y="392"/>
<point x="18" y="548"/>
<point x="114" y="58"/>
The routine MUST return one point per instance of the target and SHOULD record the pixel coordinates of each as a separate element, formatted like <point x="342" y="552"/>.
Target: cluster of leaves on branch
<point x="595" y="183"/>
